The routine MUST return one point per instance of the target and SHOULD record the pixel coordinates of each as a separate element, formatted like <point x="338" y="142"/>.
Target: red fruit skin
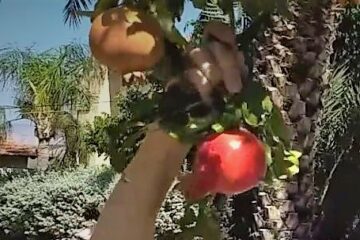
<point x="231" y="162"/>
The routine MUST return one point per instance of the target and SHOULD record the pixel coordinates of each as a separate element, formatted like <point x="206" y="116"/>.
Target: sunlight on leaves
<point x="132" y="17"/>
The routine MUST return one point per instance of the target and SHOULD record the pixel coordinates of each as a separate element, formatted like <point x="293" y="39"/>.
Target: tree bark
<point x="292" y="62"/>
<point x="132" y="208"/>
<point x="43" y="154"/>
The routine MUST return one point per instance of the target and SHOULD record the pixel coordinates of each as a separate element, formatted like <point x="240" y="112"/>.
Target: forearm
<point x="132" y="208"/>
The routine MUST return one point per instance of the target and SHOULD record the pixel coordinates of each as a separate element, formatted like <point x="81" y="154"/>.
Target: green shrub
<point x="57" y="205"/>
<point x="119" y="136"/>
<point x="8" y="174"/>
<point x="53" y="205"/>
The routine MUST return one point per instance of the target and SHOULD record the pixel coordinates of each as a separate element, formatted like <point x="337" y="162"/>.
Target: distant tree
<point x="49" y="85"/>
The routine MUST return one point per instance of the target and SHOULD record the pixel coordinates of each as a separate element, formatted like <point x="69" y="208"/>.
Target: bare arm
<point x="131" y="210"/>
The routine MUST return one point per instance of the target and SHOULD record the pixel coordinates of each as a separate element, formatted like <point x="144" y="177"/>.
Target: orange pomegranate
<point x="344" y="3"/>
<point x="126" y="39"/>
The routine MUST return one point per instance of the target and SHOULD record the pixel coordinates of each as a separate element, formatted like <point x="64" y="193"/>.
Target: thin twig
<point x="331" y="174"/>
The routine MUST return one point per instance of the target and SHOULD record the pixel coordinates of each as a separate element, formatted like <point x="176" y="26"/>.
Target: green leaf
<point x="293" y="160"/>
<point x="238" y="114"/>
<point x="142" y="109"/>
<point x="166" y="19"/>
<point x="267" y="104"/>
<point x="279" y="166"/>
<point x="132" y="17"/>
<point x="175" y="36"/>
<point x="253" y="94"/>
<point x="207" y="226"/>
<point x="254" y="7"/>
<point x="252" y="120"/>
<point x="293" y="157"/>
<point x="269" y="159"/>
<point x="176" y="7"/>
<point x="188" y="218"/>
<point x="249" y="118"/>
<point x="293" y="170"/>
<point x="164" y="16"/>
<point x="102" y="5"/>
<point x="173" y="135"/>
<point x="217" y="127"/>
<point x="282" y="7"/>
<point x="295" y="153"/>
<point x="119" y="162"/>
<point x="226" y="5"/>
<point x="277" y="125"/>
<point x="228" y="120"/>
<point x="199" y="3"/>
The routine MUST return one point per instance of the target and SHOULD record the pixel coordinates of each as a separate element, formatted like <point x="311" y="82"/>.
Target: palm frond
<point x="53" y="78"/>
<point x="11" y="62"/>
<point x="340" y="101"/>
<point x="72" y="8"/>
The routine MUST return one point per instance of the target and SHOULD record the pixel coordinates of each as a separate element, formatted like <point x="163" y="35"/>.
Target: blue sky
<point x="39" y="23"/>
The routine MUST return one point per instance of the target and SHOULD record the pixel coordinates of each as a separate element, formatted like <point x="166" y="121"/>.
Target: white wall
<point x="105" y="90"/>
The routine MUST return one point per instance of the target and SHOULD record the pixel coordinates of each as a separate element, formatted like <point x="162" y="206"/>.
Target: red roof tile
<point x="13" y="149"/>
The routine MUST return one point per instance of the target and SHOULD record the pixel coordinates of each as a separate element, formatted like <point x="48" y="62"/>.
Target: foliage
<point x="341" y="100"/>
<point x="56" y="205"/>
<point x="119" y="136"/>
<point x="347" y="40"/>
<point x="53" y="205"/>
<point x="338" y="149"/>
<point x="50" y="85"/>
<point x="168" y="12"/>
<point x="50" y="79"/>
<point x="76" y="149"/>
<point x="8" y="174"/>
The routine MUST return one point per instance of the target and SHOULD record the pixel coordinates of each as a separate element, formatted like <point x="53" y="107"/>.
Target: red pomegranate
<point x="231" y="162"/>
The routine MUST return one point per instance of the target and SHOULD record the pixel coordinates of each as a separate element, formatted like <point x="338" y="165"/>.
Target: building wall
<point x="13" y="161"/>
<point x="106" y="90"/>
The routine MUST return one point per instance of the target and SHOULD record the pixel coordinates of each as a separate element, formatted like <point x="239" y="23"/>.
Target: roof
<point x="13" y="149"/>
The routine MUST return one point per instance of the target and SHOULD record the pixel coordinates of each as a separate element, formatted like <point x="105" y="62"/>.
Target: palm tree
<point x="3" y="125"/>
<point x="292" y="61"/>
<point x="339" y="136"/>
<point x="49" y="85"/>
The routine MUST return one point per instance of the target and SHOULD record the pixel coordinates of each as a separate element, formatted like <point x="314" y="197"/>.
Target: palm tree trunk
<point x="44" y="133"/>
<point x="43" y="158"/>
<point x="292" y="60"/>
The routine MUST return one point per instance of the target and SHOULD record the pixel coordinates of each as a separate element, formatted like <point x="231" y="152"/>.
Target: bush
<point x="169" y="216"/>
<point x="57" y="205"/>
<point x="8" y="174"/>
<point x="119" y="136"/>
<point x="53" y="205"/>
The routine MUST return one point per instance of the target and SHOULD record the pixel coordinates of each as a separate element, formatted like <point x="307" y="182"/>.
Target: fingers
<point x="201" y="83"/>
<point x="226" y="59"/>
<point x="232" y="80"/>
<point x="220" y="32"/>
<point x="216" y="62"/>
<point x="203" y="60"/>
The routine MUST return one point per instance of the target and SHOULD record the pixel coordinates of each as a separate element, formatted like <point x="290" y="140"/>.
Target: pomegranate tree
<point x="231" y="162"/>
